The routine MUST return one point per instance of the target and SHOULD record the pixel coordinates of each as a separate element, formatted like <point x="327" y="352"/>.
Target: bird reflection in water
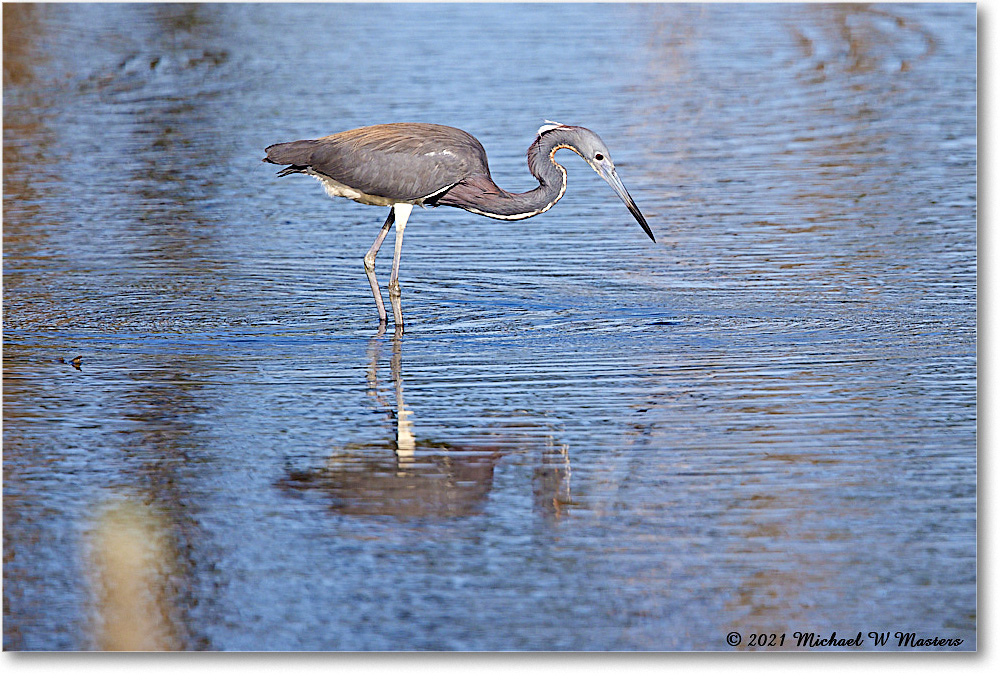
<point x="417" y="477"/>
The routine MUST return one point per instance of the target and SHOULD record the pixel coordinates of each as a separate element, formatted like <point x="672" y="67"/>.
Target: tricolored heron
<point x="399" y="165"/>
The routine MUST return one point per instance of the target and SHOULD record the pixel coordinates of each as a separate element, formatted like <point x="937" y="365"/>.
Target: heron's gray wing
<point x="399" y="161"/>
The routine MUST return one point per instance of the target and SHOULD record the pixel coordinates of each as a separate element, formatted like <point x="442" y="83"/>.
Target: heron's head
<point x="589" y="145"/>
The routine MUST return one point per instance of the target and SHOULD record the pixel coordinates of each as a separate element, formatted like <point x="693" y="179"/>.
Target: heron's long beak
<point x="611" y="176"/>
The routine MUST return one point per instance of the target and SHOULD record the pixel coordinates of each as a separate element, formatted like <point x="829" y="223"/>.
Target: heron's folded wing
<point x="399" y="161"/>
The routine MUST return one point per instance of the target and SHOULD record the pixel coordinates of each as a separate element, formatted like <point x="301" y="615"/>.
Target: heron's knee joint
<point x="394" y="290"/>
<point x="370" y="263"/>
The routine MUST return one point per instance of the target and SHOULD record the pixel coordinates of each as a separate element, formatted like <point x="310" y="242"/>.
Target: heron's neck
<point x="551" y="183"/>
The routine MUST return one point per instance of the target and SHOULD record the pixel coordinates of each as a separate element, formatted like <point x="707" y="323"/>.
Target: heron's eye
<point x="599" y="157"/>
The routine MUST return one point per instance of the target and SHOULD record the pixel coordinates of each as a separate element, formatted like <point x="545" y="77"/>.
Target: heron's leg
<point x="402" y="212"/>
<point x="370" y="267"/>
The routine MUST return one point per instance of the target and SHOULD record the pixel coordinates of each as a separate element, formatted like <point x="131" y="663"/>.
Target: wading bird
<point x="399" y="165"/>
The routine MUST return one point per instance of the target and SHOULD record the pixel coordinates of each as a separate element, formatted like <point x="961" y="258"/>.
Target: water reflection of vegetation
<point x="132" y="578"/>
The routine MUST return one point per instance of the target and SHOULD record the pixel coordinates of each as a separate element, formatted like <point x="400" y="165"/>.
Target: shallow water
<point x="764" y="422"/>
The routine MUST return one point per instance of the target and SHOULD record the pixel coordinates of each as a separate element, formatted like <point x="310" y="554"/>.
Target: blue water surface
<point x="763" y="423"/>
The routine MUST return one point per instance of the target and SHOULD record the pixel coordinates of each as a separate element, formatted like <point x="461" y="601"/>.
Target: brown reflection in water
<point x="173" y="174"/>
<point x="673" y="33"/>
<point x="789" y="528"/>
<point x="142" y="570"/>
<point x="29" y="161"/>
<point x="131" y="564"/>
<point x="417" y="477"/>
<point x="873" y="36"/>
<point x="155" y="103"/>
<point x="786" y="522"/>
<point x="852" y="76"/>
<point x="20" y="29"/>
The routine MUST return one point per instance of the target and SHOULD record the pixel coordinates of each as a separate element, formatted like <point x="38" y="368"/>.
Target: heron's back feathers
<point x="398" y="162"/>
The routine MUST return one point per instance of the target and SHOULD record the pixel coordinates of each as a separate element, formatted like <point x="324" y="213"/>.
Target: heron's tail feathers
<point x="298" y="153"/>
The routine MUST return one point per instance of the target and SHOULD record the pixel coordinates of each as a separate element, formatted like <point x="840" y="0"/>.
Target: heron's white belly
<point x="335" y="189"/>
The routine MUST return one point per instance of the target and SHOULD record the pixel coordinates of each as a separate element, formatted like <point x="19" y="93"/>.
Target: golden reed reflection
<point x="422" y="477"/>
<point x="130" y="566"/>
